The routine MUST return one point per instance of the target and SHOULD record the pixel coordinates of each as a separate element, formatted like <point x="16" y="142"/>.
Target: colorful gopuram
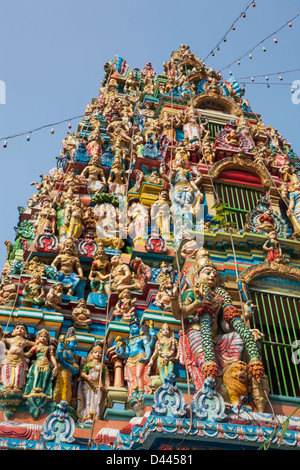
<point x="151" y="298"/>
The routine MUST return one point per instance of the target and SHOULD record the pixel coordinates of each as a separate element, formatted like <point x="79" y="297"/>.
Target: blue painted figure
<point x="137" y="352"/>
<point x="67" y="366"/>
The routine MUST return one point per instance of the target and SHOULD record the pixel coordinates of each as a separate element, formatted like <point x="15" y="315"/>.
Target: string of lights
<point x="252" y="78"/>
<point x="232" y="28"/>
<point x="28" y="133"/>
<point x="269" y="74"/>
<point x="262" y="42"/>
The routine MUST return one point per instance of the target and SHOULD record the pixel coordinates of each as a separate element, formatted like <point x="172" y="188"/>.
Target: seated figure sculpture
<point x="68" y="263"/>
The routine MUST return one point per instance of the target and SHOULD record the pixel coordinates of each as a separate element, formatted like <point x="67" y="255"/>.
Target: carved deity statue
<point x="215" y="327"/>
<point x="15" y="365"/>
<point x="69" y="270"/>
<point x="137" y="353"/>
<point x="93" y="384"/>
<point x="43" y="369"/>
<point x="67" y="359"/>
<point x="165" y="351"/>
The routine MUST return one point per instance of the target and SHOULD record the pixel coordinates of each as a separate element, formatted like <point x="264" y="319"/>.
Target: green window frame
<point x="239" y="200"/>
<point x="277" y="317"/>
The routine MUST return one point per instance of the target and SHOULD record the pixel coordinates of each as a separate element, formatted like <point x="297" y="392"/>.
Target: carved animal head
<point x="235" y="379"/>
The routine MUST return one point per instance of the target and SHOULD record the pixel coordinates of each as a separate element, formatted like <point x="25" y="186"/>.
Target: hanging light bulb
<point x="252" y="79"/>
<point x="70" y="126"/>
<point x="253" y="4"/>
<point x="5" y="144"/>
<point x="292" y="90"/>
<point x="267" y="78"/>
<point x="268" y="85"/>
<point x="280" y="77"/>
<point x="213" y="54"/>
<point x="230" y="73"/>
<point x="52" y="131"/>
<point x="239" y="62"/>
<point x="290" y="25"/>
<point x="250" y="56"/>
<point x="224" y="40"/>
<point x="275" y="40"/>
<point x="28" y="138"/>
<point x="218" y="48"/>
<point x="264" y="49"/>
<point x="233" y="28"/>
<point x="244" y="15"/>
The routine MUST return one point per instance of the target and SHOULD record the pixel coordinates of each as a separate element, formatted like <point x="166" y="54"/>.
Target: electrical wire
<point x="259" y="43"/>
<point x="40" y="128"/>
<point x="232" y="27"/>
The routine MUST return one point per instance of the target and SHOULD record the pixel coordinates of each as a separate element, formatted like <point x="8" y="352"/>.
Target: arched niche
<point x="242" y="165"/>
<point x="224" y="104"/>
<point x="280" y="270"/>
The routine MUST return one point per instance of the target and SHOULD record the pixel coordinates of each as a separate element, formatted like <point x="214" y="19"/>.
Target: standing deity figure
<point x="63" y="200"/>
<point x="185" y="196"/>
<point x="161" y="212"/>
<point x="95" y="139"/>
<point x="169" y="125"/>
<point x="165" y="351"/>
<point x="46" y="217"/>
<point x="14" y="367"/>
<point x="207" y="148"/>
<point x="149" y="85"/>
<point x="191" y="128"/>
<point x="69" y="270"/>
<point x="117" y="179"/>
<point x="94" y="174"/>
<point x="138" y="219"/>
<point x="69" y="144"/>
<point x="43" y="369"/>
<point x="67" y="359"/>
<point x="272" y="247"/>
<point x="131" y="83"/>
<point x="93" y="384"/>
<point x="215" y="335"/>
<point x="137" y="354"/>
<point x="73" y="218"/>
<point x="185" y="193"/>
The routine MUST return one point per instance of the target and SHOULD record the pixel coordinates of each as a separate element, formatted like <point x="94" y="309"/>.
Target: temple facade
<point x="151" y="297"/>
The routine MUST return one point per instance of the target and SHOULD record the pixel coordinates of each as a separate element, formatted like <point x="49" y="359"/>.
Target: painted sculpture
<point x="212" y="309"/>
<point x="93" y="383"/>
<point x="15" y="365"/>
<point x="67" y="360"/>
<point x="43" y="369"/>
<point x="137" y="354"/>
<point x="69" y="270"/>
<point x="165" y="352"/>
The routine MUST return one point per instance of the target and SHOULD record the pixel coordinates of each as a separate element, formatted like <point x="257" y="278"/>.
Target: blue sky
<point x="52" y="57"/>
